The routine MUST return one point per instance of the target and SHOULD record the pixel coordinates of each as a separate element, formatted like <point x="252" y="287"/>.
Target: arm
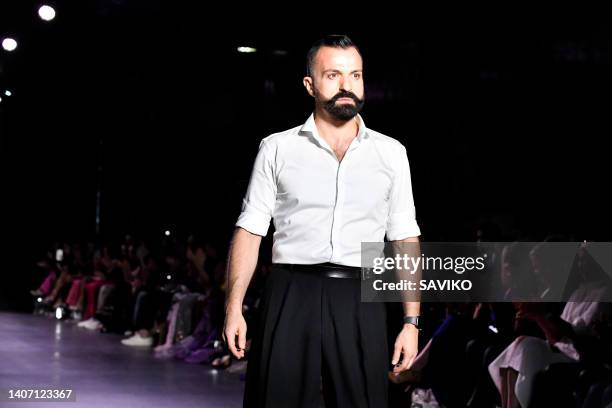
<point x="253" y="223"/>
<point x="407" y="340"/>
<point x="402" y="227"/>
<point x="242" y="260"/>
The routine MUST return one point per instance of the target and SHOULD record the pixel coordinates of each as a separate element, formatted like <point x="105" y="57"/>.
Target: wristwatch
<point x="414" y="320"/>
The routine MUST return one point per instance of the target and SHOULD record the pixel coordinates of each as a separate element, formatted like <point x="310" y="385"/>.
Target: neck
<point x="333" y="130"/>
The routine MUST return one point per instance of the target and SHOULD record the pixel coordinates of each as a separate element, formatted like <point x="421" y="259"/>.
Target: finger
<point x="231" y="342"/>
<point x="404" y="365"/>
<point x="239" y="349"/>
<point x="242" y="339"/>
<point x="396" y="354"/>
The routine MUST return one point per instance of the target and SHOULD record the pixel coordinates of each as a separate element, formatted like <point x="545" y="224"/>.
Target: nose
<point x="345" y="84"/>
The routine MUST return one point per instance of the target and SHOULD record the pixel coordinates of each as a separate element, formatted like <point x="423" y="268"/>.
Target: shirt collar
<point x="310" y="128"/>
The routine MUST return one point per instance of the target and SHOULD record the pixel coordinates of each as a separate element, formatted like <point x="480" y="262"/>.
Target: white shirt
<point x="324" y="209"/>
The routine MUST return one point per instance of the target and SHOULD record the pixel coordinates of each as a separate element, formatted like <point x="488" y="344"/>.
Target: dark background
<point x="504" y="110"/>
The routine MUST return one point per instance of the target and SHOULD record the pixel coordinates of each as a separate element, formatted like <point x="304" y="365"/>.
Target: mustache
<point x="345" y="94"/>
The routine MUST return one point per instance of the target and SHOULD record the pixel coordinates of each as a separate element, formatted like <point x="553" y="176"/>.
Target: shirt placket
<point x="335" y="243"/>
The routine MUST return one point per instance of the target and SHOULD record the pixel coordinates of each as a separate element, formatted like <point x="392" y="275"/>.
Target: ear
<point x="309" y="85"/>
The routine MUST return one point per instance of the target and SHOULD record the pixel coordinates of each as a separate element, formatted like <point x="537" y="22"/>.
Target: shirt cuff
<point x="253" y="221"/>
<point x="402" y="226"/>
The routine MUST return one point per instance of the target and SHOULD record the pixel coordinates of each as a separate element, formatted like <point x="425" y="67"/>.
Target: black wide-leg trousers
<point x="314" y="330"/>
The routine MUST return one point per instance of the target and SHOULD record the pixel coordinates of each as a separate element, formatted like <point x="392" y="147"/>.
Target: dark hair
<point x="333" y="40"/>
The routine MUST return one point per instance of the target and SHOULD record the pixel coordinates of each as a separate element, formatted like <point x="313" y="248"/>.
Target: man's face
<point x="337" y="82"/>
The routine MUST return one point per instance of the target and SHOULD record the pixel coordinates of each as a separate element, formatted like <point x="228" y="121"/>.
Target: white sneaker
<point x="84" y="322"/>
<point x="93" y="324"/>
<point x="138" y="341"/>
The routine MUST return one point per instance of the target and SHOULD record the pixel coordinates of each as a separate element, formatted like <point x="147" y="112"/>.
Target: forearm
<point x="407" y="340"/>
<point x="241" y="263"/>
<point x="412" y="308"/>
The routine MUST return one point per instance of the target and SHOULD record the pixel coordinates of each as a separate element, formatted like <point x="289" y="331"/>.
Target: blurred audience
<point x="525" y="350"/>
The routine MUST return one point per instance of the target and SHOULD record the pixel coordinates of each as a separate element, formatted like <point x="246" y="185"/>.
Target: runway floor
<point x="41" y="352"/>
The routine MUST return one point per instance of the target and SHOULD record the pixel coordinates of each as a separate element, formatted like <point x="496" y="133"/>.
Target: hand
<point x="235" y="326"/>
<point x="406" y="345"/>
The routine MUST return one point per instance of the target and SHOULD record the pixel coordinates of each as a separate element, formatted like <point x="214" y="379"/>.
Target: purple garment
<point x="200" y="346"/>
<point x="206" y="353"/>
<point x="47" y="286"/>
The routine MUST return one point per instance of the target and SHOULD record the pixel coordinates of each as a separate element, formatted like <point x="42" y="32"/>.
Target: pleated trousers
<point x="314" y="334"/>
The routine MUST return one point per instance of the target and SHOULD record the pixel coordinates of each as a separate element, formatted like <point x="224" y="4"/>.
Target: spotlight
<point x="0" y="99"/>
<point x="167" y="233"/>
<point x="59" y="313"/>
<point x="169" y="277"/>
<point x="46" y="13"/>
<point x="39" y="300"/>
<point x="246" y="49"/>
<point x="8" y="93"/>
<point x="9" y="44"/>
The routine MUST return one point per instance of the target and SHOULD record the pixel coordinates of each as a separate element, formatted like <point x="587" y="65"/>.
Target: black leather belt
<point x="327" y="269"/>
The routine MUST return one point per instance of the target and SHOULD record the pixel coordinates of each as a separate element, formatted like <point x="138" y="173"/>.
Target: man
<point x="329" y="184"/>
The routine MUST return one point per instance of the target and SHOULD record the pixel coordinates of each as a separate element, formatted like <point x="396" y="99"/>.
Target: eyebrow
<point x="336" y="70"/>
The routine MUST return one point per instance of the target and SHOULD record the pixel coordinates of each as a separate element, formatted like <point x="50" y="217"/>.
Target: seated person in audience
<point x="514" y="370"/>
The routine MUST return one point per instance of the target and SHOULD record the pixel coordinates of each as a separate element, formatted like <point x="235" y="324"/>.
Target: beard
<point x="343" y="111"/>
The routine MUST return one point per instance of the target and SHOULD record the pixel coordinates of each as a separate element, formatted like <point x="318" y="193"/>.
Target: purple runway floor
<point x="37" y="351"/>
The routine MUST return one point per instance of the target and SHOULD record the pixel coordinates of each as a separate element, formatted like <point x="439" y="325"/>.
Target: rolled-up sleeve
<point x="258" y="203"/>
<point x="401" y="221"/>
